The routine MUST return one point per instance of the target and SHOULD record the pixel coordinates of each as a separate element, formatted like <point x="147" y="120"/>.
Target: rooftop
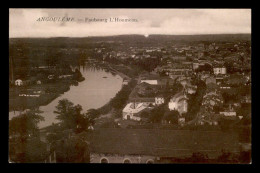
<point x="159" y="142"/>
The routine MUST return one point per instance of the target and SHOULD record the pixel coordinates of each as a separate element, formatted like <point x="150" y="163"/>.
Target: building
<point x="178" y="58"/>
<point x="228" y="113"/>
<point x="115" y="145"/>
<point x="38" y="82"/>
<point x="159" y="100"/>
<point x="18" y="82"/>
<point x="125" y="82"/>
<point x="132" y="110"/>
<point x="219" y="70"/>
<point x="151" y="82"/>
<point x="179" y="102"/>
<point x="191" y="89"/>
<point x="51" y="76"/>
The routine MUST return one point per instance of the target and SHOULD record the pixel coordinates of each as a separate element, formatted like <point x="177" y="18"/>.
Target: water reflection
<point x="94" y="92"/>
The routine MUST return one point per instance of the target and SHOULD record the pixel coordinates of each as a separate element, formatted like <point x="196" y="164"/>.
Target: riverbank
<point x="33" y="96"/>
<point x="93" y="84"/>
<point x="122" y="75"/>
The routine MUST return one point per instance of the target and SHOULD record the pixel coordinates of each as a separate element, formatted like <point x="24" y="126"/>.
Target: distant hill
<point x="84" y="41"/>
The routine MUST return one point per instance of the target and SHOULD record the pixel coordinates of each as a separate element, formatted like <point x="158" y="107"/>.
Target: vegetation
<point x="171" y="116"/>
<point x="71" y="117"/>
<point x="25" y="124"/>
<point x="73" y="150"/>
<point x="24" y="142"/>
<point x="157" y="113"/>
<point x="119" y="101"/>
<point x="196" y="100"/>
<point x="207" y="67"/>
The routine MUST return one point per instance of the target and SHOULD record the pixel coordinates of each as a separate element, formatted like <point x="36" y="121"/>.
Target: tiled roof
<point x="158" y="142"/>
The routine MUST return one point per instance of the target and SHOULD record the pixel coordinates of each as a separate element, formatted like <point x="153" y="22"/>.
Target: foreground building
<point x="152" y="145"/>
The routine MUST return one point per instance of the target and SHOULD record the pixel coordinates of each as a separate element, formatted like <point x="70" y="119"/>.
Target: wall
<point x="116" y="158"/>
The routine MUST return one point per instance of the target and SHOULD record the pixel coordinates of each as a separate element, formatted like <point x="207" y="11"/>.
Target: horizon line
<point x="138" y="35"/>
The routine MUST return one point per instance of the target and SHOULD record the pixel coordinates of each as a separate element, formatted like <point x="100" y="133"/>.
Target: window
<point x="104" y="160"/>
<point x="150" y="161"/>
<point x="127" y="161"/>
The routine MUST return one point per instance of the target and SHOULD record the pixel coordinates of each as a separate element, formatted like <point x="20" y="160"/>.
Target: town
<point x="183" y="99"/>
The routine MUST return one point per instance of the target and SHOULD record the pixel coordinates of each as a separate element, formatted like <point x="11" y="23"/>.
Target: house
<point x="159" y="100"/>
<point x="219" y="70"/>
<point x="131" y="110"/>
<point x="18" y="82"/>
<point x="38" y="82"/>
<point x="246" y="99"/>
<point x="175" y="75"/>
<point x="51" y="76"/>
<point x="116" y="145"/>
<point x="219" y="79"/>
<point x="179" y="102"/>
<point x="228" y="113"/>
<point x="125" y="82"/>
<point x="178" y="58"/>
<point x="146" y="90"/>
<point x="151" y="81"/>
<point x="195" y="65"/>
<point x="190" y="89"/>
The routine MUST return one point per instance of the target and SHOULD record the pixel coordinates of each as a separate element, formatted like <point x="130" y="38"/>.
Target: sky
<point x="29" y="23"/>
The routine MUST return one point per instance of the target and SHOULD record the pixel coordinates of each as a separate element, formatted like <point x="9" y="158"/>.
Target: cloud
<point x="23" y="22"/>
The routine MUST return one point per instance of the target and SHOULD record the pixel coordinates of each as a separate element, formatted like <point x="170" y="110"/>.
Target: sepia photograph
<point x="130" y="86"/>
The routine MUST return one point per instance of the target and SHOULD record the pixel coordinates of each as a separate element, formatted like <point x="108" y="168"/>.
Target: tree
<point x="206" y="67"/>
<point x="64" y="109"/>
<point x="73" y="150"/>
<point x="28" y="151"/>
<point x="171" y="116"/>
<point x="71" y="116"/>
<point x="26" y="123"/>
<point x="145" y="114"/>
<point x="157" y="113"/>
<point x="24" y="143"/>
<point x="77" y="75"/>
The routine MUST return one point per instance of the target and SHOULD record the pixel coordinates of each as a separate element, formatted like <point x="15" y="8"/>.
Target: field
<point x="48" y="92"/>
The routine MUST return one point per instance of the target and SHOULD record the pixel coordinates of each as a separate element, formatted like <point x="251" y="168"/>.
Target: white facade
<point x="220" y="70"/>
<point x="18" y="82"/>
<point x="131" y="109"/>
<point x="125" y="82"/>
<point x="159" y="100"/>
<point x="180" y="106"/>
<point x="173" y="105"/>
<point x="178" y="103"/>
<point x="151" y="82"/>
<point x="228" y="114"/>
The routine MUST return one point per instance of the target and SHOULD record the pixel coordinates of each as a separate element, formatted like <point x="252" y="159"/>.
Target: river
<point x="95" y="91"/>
